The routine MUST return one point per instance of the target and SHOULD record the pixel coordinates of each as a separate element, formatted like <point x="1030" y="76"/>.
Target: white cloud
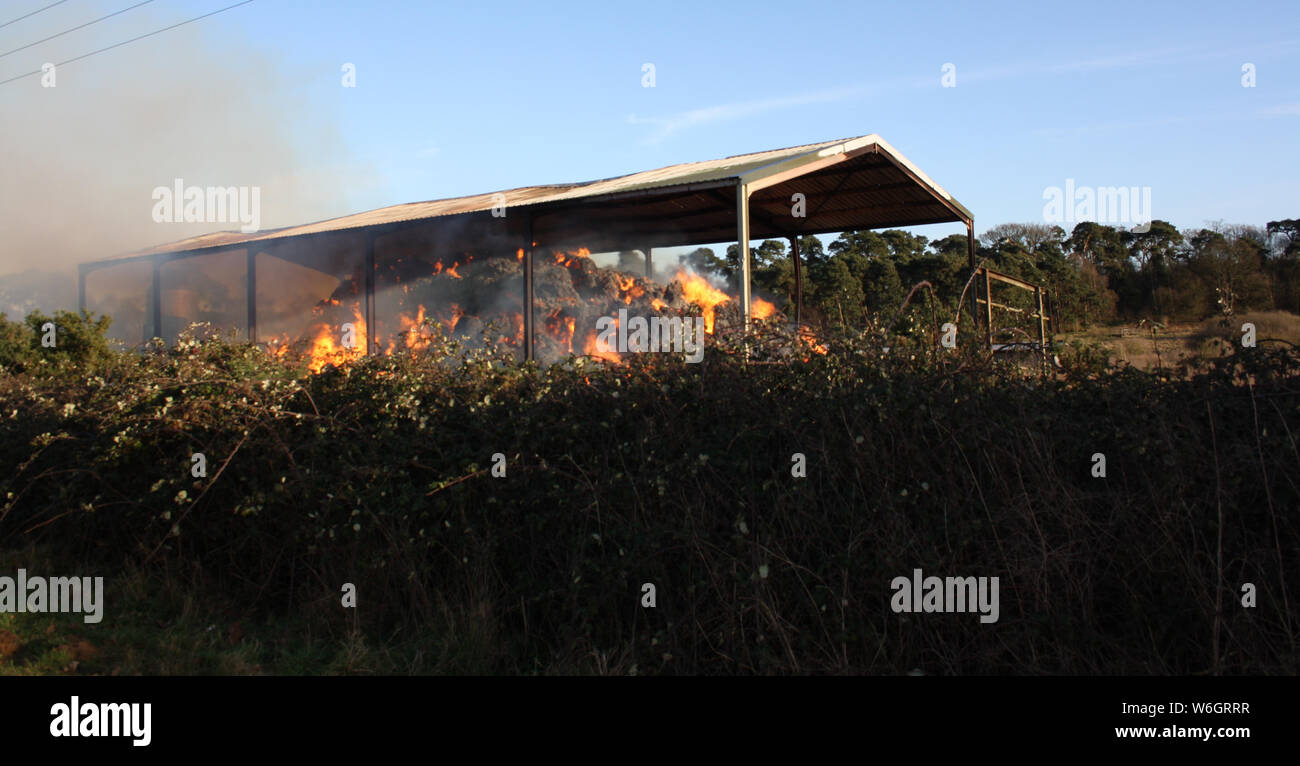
<point x="667" y="126"/>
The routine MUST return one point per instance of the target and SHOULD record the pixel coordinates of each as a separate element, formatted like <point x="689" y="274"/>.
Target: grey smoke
<point x="78" y="162"/>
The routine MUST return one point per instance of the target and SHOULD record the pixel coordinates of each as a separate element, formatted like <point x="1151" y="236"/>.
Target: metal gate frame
<point x="1041" y="300"/>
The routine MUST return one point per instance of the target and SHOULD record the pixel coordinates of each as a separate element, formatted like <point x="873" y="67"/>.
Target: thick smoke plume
<point x="79" y="161"/>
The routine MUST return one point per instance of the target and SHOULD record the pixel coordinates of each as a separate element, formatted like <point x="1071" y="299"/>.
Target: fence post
<point x="1042" y="327"/>
<point x="988" y="310"/>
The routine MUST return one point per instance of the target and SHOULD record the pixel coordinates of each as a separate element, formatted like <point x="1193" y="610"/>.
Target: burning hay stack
<point x="573" y="294"/>
<point x="475" y="298"/>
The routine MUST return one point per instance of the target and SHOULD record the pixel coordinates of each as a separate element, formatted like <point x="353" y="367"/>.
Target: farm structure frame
<point x="262" y="277"/>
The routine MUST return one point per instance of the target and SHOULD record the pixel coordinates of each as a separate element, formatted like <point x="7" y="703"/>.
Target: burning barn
<point x="517" y="265"/>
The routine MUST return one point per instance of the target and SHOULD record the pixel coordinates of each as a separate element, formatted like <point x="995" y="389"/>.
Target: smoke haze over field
<point x="80" y="160"/>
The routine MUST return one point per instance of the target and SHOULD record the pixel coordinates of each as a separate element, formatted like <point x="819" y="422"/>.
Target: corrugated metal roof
<point x="897" y="194"/>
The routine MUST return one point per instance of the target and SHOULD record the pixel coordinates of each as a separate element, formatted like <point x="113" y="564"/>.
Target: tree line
<point x="1094" y="274"/>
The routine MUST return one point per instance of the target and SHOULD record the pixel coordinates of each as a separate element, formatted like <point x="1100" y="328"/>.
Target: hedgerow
<point x="380" y="474"/>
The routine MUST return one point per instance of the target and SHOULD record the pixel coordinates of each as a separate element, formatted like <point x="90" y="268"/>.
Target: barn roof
<point x="857" y="183"/>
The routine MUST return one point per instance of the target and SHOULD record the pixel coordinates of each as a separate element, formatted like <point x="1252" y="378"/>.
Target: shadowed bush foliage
<point x="657" y="471"/>
<point x="78" y="339"/>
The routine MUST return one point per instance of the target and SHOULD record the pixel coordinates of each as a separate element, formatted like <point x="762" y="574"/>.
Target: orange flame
<point x="327" y="348"/>
<point x="696" y="289"/>
<point x="519" y="329"/>
<point x="629" y="289"/>
<point x="574" y="259"/>
<point x="279" y="345"/>
<point x="560" y="328"/>
<point x="413" y="329"/>
<point x="592" y="348"/>
<point x="809" y="338"/>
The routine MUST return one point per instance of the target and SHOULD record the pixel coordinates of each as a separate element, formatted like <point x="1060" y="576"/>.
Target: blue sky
<point x="462" y="98"/>
<point x="492" y="95"/>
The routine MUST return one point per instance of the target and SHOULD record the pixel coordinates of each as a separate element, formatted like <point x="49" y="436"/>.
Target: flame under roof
<point x="857" y="183"/>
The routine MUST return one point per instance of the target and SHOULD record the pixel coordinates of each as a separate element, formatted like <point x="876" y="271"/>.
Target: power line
<point x="33" y="13"/>
<point x="133" y="39"/>
<point x="74" y="29"/>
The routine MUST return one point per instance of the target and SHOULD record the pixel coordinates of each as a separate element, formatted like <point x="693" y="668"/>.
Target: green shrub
<point x="77" y="339"/>
<point x="1081" y="358"/>
<point x="380" y="474"/>
<point x="16" y="345"/>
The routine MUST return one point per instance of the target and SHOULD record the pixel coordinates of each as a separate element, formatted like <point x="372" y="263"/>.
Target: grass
<point x="167" y="623"/>
<point x="161" y="625"/>
<point x="1177" y="343"/>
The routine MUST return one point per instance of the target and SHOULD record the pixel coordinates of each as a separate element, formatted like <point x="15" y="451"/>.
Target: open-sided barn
<point x="513" y="263"/>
